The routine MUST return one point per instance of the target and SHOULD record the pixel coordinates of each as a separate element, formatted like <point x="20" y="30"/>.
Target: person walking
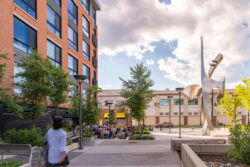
<point x="56" y="138"/>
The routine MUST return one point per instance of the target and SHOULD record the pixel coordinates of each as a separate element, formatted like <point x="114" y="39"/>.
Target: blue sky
<point x="165" y="36"/>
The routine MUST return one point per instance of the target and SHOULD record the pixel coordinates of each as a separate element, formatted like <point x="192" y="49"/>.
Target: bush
<point x="145" y="131"/>
<point x="11" y="164"/>
<point x="26" y="136"/>
<point x="89" y="134"/>
<point x="240" y="139"/>
<point x="137" y="137"/>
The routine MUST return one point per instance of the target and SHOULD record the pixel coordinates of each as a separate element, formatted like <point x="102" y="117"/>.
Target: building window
<point x="53" y="22"/>
<point x="193" y="102"/>
<point x="72" y="38"/>
<point x="176" y="113"/>
<point x="164" y="102"/>
<point x="85" y="50"/>
<point x="28" y="5"/>
<point x="189" y="113"/>
<point x="161" y="113"/>
<point x="85" y="26"/>
<point x="86" y="71"/>
<point x="58" y="2"/>
<point x="24" y="36"/>
<point x="85" y="5"/>
<point x="178" y="101"/>
<point x="195" y="113"/>
<point x="239" y="113"/>
<point x="17" y="79"/>
<point x="72" y="91"/>
<point x="72" y="10"/>
<point x="72" y="65"/>
<point x="181" y="113"/>
<point x="54" y="53"/>
<point x="94" y="15"/>
<point x="166" y="113"/>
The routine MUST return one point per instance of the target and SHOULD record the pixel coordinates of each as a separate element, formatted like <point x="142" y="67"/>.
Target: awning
<point x="118" y="115"/>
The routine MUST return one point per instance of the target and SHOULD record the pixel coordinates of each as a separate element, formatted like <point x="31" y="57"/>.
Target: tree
<point x="243" y="92"/>
<point x="137" y="92"/>
<point x="90" y="107"/>
<point x="111" y="119"/>
<point x="59" y="85"/>
<point x="5" y="99"/>
<point x="227" y="104"/>
<point x="35" y="84"/>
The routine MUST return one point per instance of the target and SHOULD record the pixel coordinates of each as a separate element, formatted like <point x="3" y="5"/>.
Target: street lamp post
<point x="179" y="90"/>
<point x="169" y="98"/>
<point x="108" y="103"/>
<point x="80" y="79"/>
<point x="235" y="96"/>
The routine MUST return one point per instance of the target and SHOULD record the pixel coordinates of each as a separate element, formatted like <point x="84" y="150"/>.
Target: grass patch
<point x="11" y="164"/>
<point x="137" y="137"/>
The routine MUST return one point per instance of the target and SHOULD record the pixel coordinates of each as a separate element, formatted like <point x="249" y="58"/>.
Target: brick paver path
<point x="123" y="153"/>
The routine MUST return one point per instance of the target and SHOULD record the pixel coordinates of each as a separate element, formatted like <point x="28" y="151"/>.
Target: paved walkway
<point x="124" y="153"/>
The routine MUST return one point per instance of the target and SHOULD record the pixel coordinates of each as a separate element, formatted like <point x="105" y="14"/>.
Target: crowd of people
<point x="106" y="132"/>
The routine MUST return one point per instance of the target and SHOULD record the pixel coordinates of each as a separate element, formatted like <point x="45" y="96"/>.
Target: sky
<point x="165" y="36"/>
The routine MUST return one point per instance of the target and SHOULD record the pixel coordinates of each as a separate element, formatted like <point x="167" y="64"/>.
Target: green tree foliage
<point x="111" y="120"/>
<point x="240" y="139"/>
<point x="59" y="85"/>
<point x="90" y="107"/>
<point x="6" y="99"/>
<point x="243" y="92"/>
<point x="227" y="102"/>
<point x="35" y="84"/>
<point x="226" y="106"/>
<point x="137" y="92"/>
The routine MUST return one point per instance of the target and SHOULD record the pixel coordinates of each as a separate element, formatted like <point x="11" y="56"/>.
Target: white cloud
<point x="131" y="26"/>
<point x="150" y="61"/>
<point x="107" y="86"/>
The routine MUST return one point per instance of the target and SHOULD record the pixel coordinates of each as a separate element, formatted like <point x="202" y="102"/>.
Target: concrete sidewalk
<point x="124" y="153"/>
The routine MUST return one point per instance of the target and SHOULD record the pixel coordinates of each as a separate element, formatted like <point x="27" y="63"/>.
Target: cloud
<point x="150" y="61"/>
<point x="107" y="86"/>
<point x="132" y="26"/>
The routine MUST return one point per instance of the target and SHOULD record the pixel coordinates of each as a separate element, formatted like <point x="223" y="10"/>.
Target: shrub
<point x="137" y="137"/>
<point x="89" y="134"/>
<point x="240" y="139"/>
<point x="11" y="164"/>
<point x="145" y="131"/>
<point x="26" y="136"/>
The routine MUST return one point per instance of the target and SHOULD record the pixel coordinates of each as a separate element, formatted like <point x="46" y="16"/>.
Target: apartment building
<point x="164" y="107"/>
<point x="63" y="30"/>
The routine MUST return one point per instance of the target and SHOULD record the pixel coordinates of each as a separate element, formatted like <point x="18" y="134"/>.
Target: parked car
<point x="165" y="125"/>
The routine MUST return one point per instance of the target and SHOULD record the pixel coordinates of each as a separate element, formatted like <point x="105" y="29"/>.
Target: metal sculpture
<point x="207" y="85"/>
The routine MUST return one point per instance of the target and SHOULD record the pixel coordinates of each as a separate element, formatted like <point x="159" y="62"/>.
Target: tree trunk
<point x="57" y="112"/>
<point x="33" y="123"/>
<point x="139" y="127"/>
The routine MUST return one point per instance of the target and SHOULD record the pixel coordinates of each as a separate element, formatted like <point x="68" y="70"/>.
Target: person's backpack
<point x="45" y="150"/>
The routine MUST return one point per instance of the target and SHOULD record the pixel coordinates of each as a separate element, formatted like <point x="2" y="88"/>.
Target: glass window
<point x="72" y="11"/>
<point x="193" y="102"/>
<point x="85" y="5"/>
<point x="164" y="102"/>
<point x="72" y="91"/>
<point x="53" y="22"/>
<point x="58" y="2"/>
<point x="24" y="36"/>
<point x="94" y="15"/>
<point x="54" y="53"/>
<point x="72" y="65"/>
<point x="86" y="71"/>
<point x="72" y="38"/>
<point x="17" y="79"/>
<point x="85" y="50"/>
<point x="85" y="26"/>
<point x="28" y="5"/>
<point x="178" y="101"/>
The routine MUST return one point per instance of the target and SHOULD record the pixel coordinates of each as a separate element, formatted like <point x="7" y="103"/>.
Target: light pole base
<point x="80" y="148"/>
<point x="179" y="137"/>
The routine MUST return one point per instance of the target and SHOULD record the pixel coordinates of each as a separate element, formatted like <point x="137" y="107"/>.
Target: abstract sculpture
<point x="207" y="85"/>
